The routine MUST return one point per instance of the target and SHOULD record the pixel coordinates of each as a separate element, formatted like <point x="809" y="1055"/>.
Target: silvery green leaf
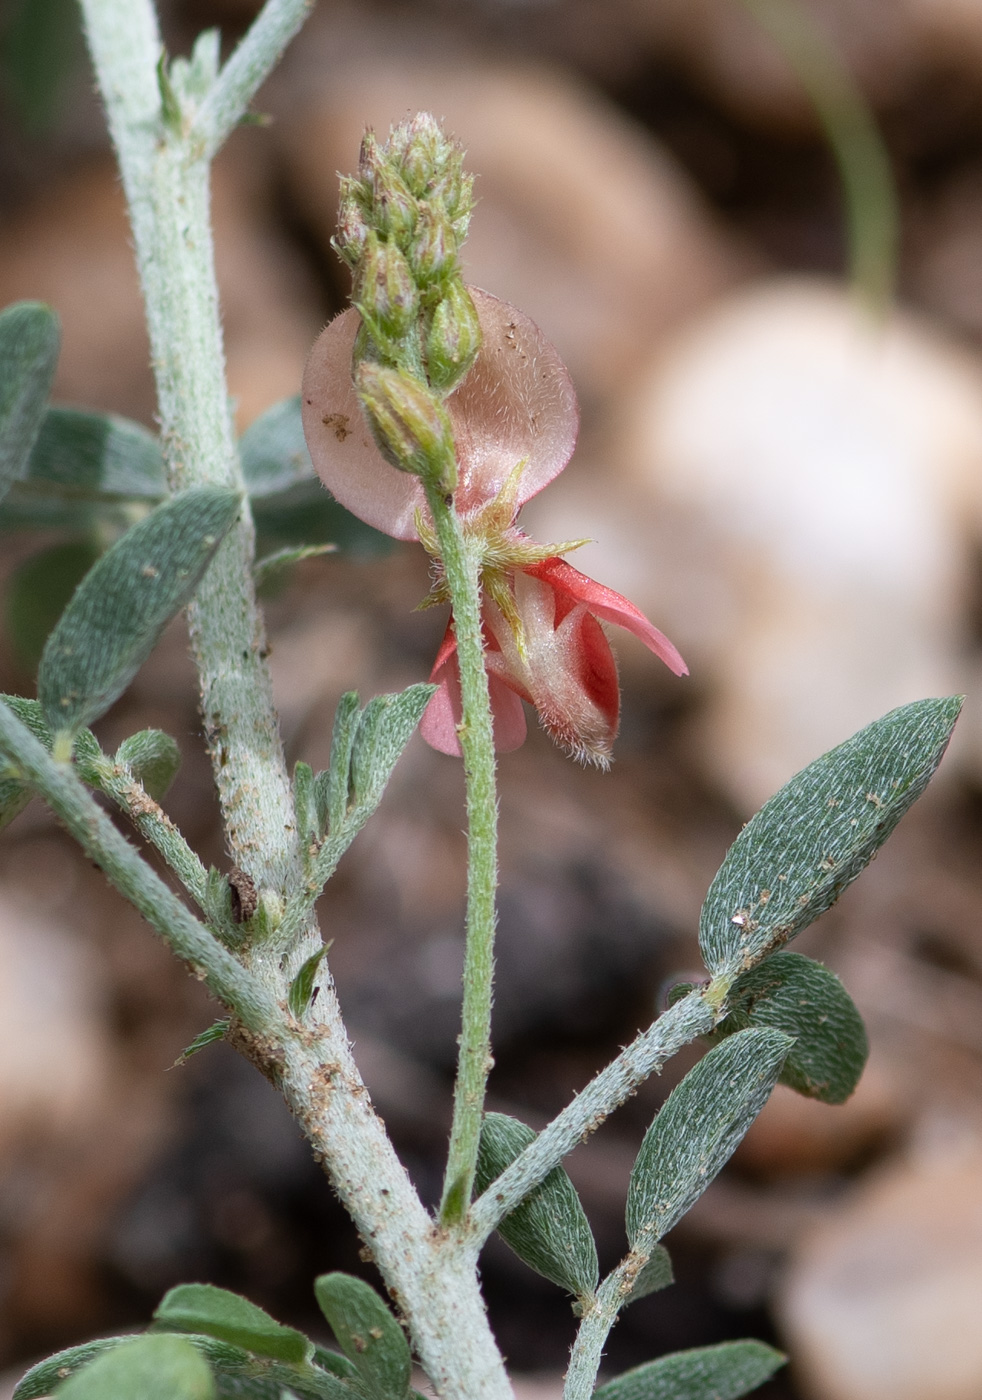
<point x="303" y="803"/>
<point x="332" y="788"/>
<point x="210" y="1036"/>
<point x="95" y="456"/>
<point x="805" y="1000"/>
<point x="151" y="1367"/>
<point x="302" y="986"/>
<point x="201" y="1307"/>
<point x="699" y="1127"/>
<point x="42" y="1379"/>
<point x="656" y="1275"/>
<point x="723" y="1372"/>
<point x="273" y="450"/>
<point x="123" y="604"/>
<point x="796" y="856"/>
<point x="14" y="794"/>
<point x="268" y="567"/>
<point x="387" y="724"/>
<point x="549" y="1231"/>
<point x="29" y="340"/>
<point x="153" y="758"/>
<point x="367" y="1333"/>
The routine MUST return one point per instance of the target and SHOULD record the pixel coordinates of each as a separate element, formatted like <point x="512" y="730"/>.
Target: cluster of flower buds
<point x="402" y="221"/>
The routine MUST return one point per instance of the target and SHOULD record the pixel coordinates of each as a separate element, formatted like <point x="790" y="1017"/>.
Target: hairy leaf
<point x="153" y="1368"/>
<point x="796" y="856"/>
<point x="549" y="1230"/>
<point x="303" y="803"/>
<point x="29" y="340"/>
<point x="153" y="758"/>
<point x="210" y="1036"/>
<point x="123" y="604"/>
<point x="274" y="450"/>
<point x="796" y="995"/>
<point x="722" y="1372"/>
<point x="698" y="1129"/>
<point x="332" y="788"/>
<point x="201" y="1307"/>
<point x="367" y="1333"/>
<point x="387" y="724"/>
<point x="302" y="986"/>
<point x="95" y="456"/>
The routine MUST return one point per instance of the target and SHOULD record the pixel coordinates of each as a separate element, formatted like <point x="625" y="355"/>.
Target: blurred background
<point x="788" y="483"/>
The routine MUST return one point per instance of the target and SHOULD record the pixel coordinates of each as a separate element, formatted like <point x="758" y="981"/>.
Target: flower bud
<point x="409" y="424"/>
<point x="433" y="250"/>
<point x="349" y="243"/>
<point x="422" y="151"/>
<point x="454" y="338"/>
<point x="394" y="211"/>
<point x="386" y="292"/>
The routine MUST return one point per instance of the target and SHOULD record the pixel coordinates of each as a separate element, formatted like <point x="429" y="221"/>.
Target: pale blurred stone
<point x="581" y="220"/>
<point x="53" y="1048"/>
<point x="815" y="476"/>
<point x="882" y="1303"/>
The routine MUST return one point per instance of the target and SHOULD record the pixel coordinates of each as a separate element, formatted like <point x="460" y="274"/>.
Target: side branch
<point x="131" y="875"/>
<point x="243" y="74"/>
<point x="687" y="1019"/>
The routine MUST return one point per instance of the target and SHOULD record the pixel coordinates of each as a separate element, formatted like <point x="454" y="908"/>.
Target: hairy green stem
<point x="682" y="1023"/>
<point x="592" y="1333"/>
<point x="239" y="80"/>
<point x="167" y="190"/>
<point x="462" y="572"/>
<point x="155" y="826"/>
<point x="132" y="876"/>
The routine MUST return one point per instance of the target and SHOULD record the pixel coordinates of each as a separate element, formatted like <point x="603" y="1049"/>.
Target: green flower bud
<point x="433" y="250"/>
<point x="349" y="242"/>
<point x="423" y="151"/>
<point x="409" y="424"/>
<point x="386" y="293"/>
<point x="454" y="338"/>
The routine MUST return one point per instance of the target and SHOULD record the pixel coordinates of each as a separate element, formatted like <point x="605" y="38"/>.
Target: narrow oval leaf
<point x="38" y="592"/>
<point x="201" y="1307"/>
<point x="95" y="456"/>
<point x="332" y="788"/>
<point x="153" y="1368"/>
<point x="15" y="795"/>
<point x="303" y="803"/>
<point x="210" y="1036"/>
<point x="804" y="846"/>
<point x="796" y="995"/>
<point x="302" y="986"/>
<point x="153" y="758"/>
<point x="367" y="1333"/>
<point x="723" y="1372"/>
<point x="656" y="1275"/>
<point x="29" y="340"/>
<point x="123" y="604"/>
<point x="698" y="1129"/>
<point x="274" y="451"/>
<point x="44" y="1378"/>
<point x="386" y="726"/>
<point x="549" y="1231"/>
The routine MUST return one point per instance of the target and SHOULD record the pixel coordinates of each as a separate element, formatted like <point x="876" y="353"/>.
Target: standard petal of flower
<point x="517" y="405"/>
<point x="442" y="715"/>
<point x="340" y="441"/>
<point x="612" y="607"/>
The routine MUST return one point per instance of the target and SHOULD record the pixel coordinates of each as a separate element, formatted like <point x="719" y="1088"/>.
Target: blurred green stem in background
<point x="857" y="146"/>
<point x="40" y="46"/>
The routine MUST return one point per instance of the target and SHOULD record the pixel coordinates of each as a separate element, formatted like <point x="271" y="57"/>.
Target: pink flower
<point x="515" y="422"/>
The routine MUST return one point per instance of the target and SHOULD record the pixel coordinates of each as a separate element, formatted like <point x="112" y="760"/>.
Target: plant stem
<point x="131" y="875"/>
<point x="462" y="572"/>
<point x="592" y="1333"/>
<point x="153" y="823"/>
<point x="239" y="80"/>
<point x="166" y="186"/>
<point x="683" y="1022"/>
